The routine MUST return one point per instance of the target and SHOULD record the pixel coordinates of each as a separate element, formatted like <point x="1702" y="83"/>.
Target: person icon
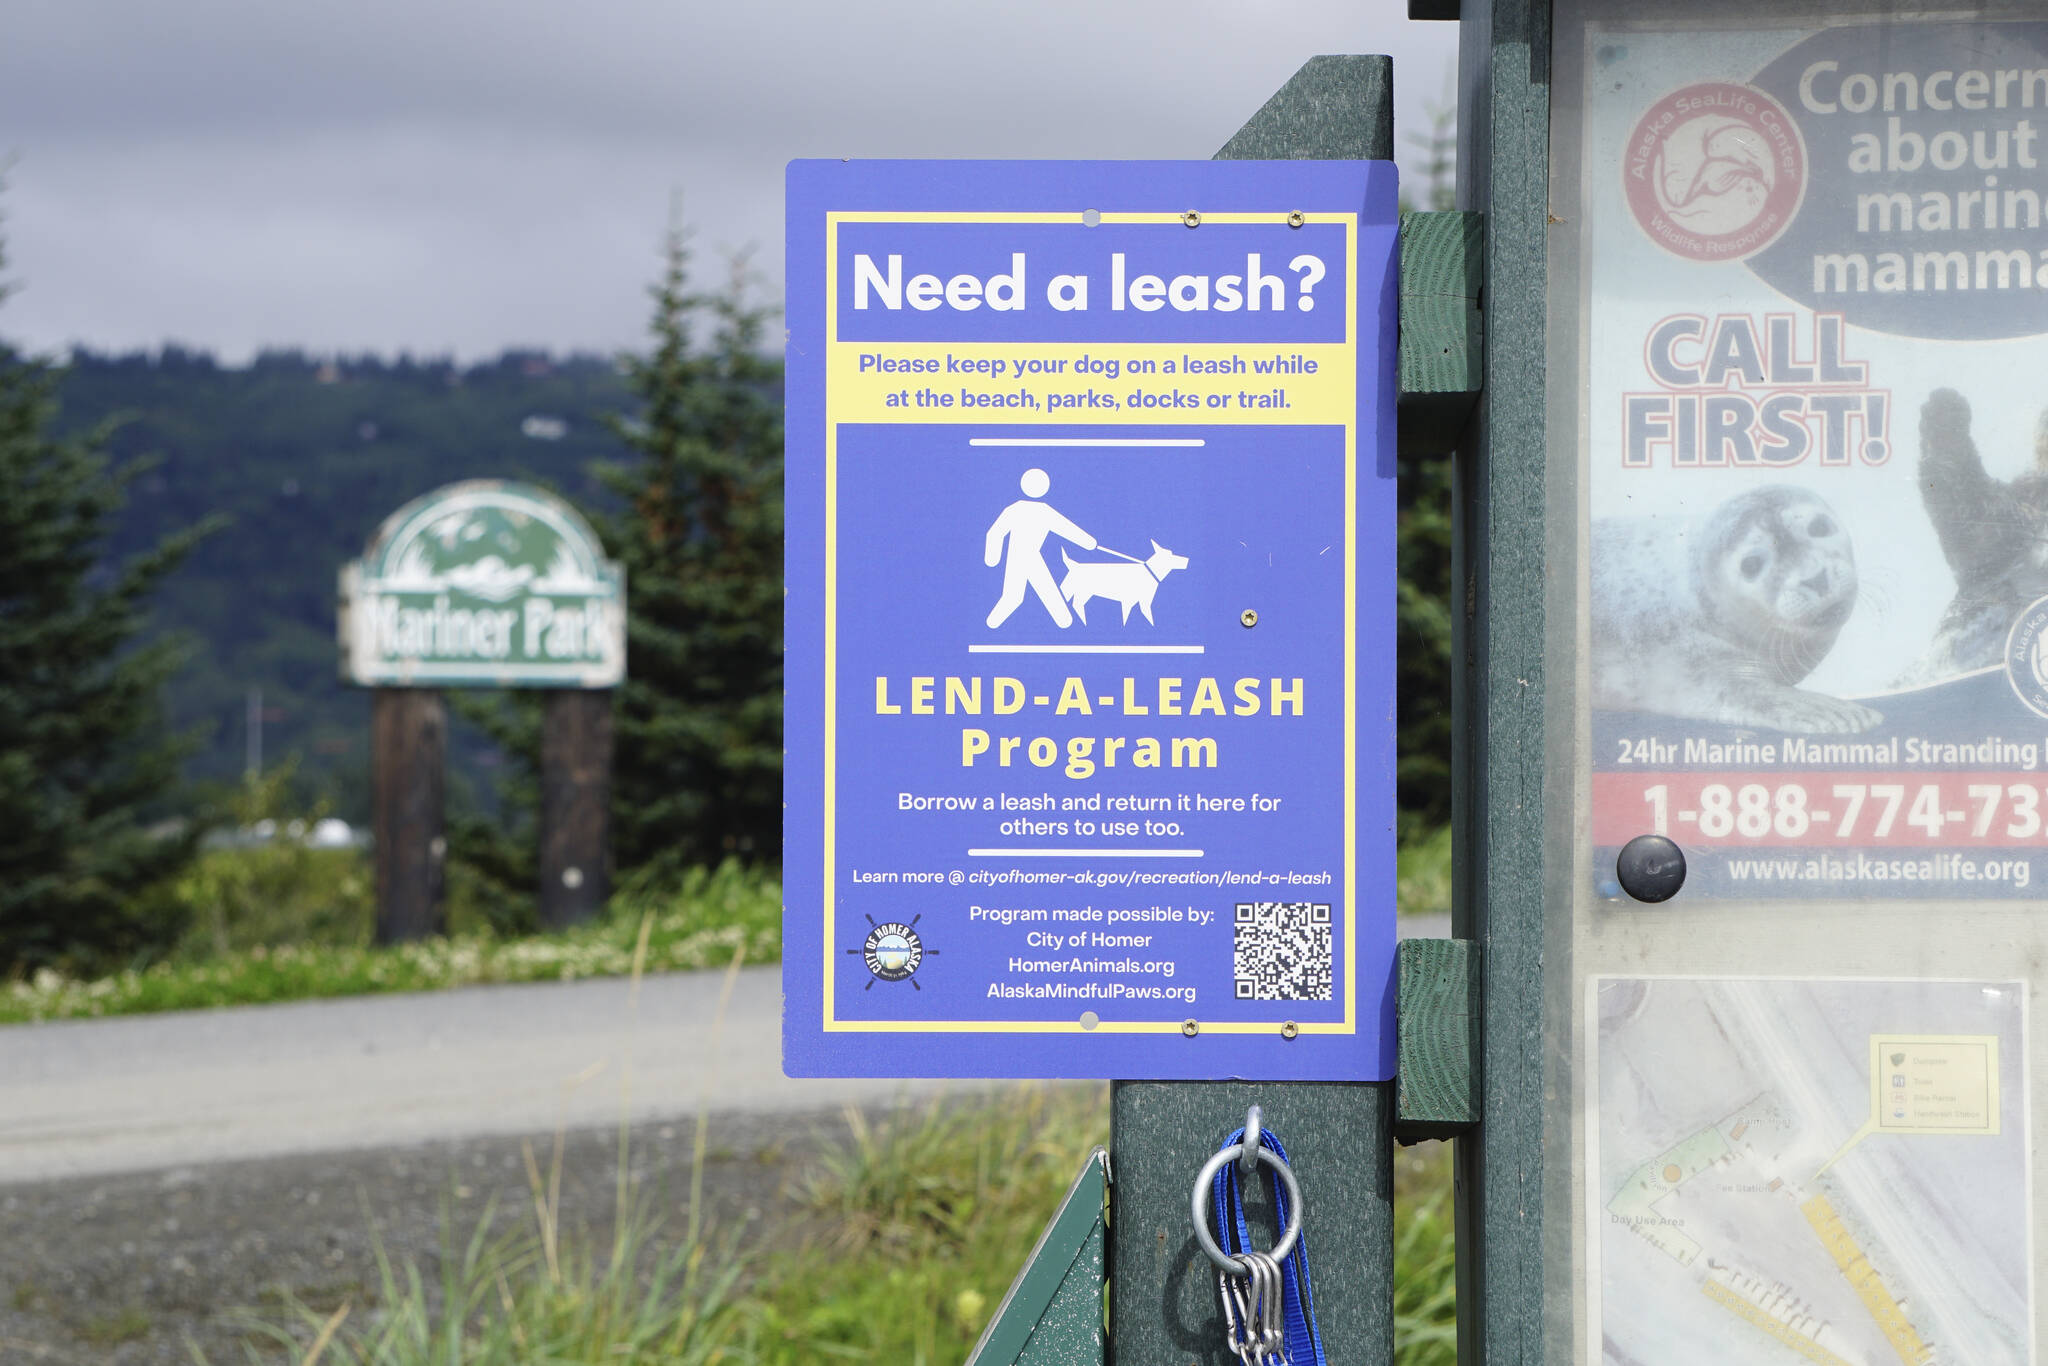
<point x="1025" y="524"/>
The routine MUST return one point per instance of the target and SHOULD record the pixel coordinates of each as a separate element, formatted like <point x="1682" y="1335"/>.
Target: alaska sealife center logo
<point x="2026" y="657"/>
<point x="1715" y="171"/>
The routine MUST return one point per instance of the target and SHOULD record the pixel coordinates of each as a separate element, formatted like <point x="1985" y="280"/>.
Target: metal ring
<point x="1215" y="1164"/>
<point x="1248" y="1165"/>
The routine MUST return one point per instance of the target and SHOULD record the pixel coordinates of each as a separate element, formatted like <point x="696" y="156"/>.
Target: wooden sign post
<point x="575" y="805"/>
<point x="485" y="584"/>
<point x="408" y="753"/>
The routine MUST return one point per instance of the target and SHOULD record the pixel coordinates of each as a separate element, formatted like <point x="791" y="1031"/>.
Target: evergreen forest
<point x="302" y="457"/>
<point x="182" y="525"/>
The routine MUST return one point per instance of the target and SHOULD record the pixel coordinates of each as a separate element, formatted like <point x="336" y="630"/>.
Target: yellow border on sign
<point x="832" y="1024"/>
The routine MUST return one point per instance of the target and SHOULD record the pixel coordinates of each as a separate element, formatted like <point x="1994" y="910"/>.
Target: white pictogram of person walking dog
<point x="1016" y="540"/>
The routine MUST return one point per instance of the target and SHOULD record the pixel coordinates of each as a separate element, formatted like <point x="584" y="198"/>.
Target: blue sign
<point x="1090" y="709"/>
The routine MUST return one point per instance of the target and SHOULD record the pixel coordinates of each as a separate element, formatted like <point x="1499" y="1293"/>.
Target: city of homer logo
<point x="892" y="952"/>
<point x="2026" y="657"/>
<point x="1715" y="172"/>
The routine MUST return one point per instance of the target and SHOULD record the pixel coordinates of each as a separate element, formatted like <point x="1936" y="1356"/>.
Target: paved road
<point x="101" y="1096"/>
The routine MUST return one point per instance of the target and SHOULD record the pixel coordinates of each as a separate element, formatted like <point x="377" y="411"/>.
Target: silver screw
<point x="1190" y="1028"/>
<point x="1248" y="618"/>
<point x="1296" y="219"/>
<point x="1192" y="219"/>
<point x="1288" y="1029"/>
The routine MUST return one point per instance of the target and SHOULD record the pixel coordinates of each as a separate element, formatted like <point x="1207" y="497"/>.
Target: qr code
<point x="1281" y="951"/>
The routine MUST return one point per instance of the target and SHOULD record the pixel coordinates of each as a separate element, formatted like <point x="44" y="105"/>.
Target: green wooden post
<point x="1499" y="699"/>
<point x="1442" y="331"/>
<point x="1163" y="1304"/>
<point x="1053" y="1313"/>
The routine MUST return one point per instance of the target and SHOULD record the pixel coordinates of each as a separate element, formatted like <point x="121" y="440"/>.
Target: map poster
<point x="1808" y="1171"/>
<point x="1089" y="717"/>
<point x="1816" y="436"/>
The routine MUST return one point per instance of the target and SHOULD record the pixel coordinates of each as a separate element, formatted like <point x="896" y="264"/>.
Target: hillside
<point x="307" y="456"/>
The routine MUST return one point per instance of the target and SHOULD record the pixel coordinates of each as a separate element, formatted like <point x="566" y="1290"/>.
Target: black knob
<point x="1650" y="868"/>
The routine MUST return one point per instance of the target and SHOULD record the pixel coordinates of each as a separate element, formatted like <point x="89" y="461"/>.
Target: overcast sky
<point x="441" y="176"/>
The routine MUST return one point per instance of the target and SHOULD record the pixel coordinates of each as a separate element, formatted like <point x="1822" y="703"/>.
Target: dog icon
<point x="1132" y="585"/>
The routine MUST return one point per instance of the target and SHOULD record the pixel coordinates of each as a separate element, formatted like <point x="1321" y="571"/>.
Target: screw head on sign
<point x="1288" y="1029"/>
<point x="1248" y="618"/>
<point x="1190" y="1028"/>
<point x="1192" y="219"/>
<point x="1650" y="868"/>
<point x="1296" y="219"/>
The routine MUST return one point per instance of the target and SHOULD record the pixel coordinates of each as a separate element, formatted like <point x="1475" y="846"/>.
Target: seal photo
<point x="1718" y="619"/>
<point x="1994" y="535"/>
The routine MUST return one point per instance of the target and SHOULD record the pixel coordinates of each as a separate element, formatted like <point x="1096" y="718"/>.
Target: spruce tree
<point x="697" y="774"/>
<point x="85" y="758"/>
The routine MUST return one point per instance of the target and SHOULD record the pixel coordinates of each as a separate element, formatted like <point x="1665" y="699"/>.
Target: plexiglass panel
<point x="1799" y="432"/>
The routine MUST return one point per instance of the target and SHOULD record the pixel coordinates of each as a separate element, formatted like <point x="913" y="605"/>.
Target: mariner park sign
<point x="484" y="584"/>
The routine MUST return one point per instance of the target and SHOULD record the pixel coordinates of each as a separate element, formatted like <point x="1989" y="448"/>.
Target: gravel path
<point x="135" y="1268"/>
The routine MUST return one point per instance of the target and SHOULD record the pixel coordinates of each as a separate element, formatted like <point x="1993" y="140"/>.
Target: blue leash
<point x="1304" y="1340"/>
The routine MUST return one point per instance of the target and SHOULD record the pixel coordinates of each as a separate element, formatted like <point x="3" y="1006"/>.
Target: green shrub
<point x="248" y="889"/>
<point x="274" y="894"/>
<point x="702" y="922"/>
<point x="1423" y="874"/>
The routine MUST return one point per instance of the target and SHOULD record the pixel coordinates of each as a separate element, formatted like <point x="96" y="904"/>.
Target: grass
<point x="1422" y="872"/>
<point x="930" y="1214"/>
<point x="1425" y="1258"/>
<point x="516" y="1294"/>
<point x="927" y="1217"/>
<point x="701" y="924"/>
<point x="917" y="1223"/>
<point x="111" y="1330"/>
